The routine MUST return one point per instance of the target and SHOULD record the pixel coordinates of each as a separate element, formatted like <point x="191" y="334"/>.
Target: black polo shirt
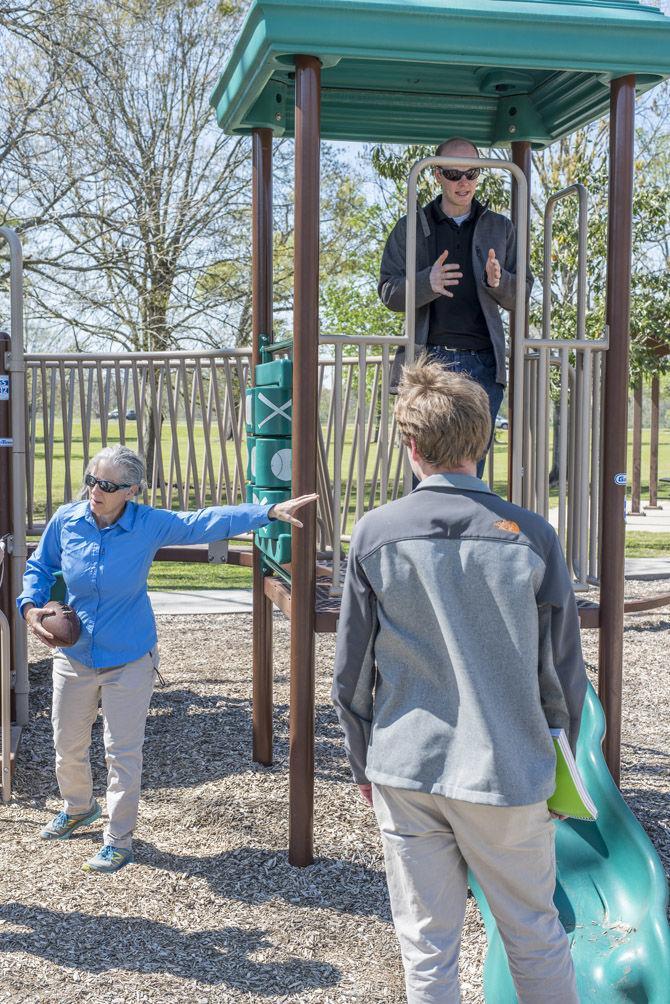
<point x="458" y="322"/>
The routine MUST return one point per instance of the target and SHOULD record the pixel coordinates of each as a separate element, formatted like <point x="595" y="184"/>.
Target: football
<point x="62" y="622"/>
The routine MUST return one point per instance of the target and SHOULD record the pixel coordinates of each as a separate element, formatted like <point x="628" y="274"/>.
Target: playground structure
<point x="405" y="73"/>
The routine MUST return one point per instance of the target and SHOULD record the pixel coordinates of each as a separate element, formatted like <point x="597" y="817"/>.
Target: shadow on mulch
<point x="98" y="944"/>
<point x="255" y="875"/>
<point x="193" y="739"/>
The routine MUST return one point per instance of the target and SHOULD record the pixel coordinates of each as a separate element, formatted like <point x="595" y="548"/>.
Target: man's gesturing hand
<point x="492" y="269"/>
<point x="366" y="792"/>
<point x="442" y="276"/>
<point x="284" y="510"/>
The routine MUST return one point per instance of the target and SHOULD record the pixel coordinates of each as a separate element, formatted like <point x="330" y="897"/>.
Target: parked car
<point x="130" y="415"/>
<point x="501" y="423"/>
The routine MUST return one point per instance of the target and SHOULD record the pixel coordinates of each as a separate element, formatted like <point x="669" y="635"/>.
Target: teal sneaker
<point x="108" y="859"/>
<point x="63" y="826"/>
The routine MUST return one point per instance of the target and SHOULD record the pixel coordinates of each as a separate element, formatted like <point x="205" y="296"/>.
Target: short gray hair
<point x="130" y="465"/>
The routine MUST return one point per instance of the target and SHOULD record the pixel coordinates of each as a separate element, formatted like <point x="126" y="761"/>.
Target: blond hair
<point x="447" y="414"/>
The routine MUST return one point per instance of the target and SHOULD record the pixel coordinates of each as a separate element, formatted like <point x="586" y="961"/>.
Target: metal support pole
<point x="305" y="417"/>
<point x="5" y="717"/>
<point x="636" y="493"/>
<point x="261" y="279"/>
<point x="521" y="156"/>
<point x="653" y="446"/>
<point x="610" y="664"/>
<point x="17" y="372"/>
<point x="6" y="604"/>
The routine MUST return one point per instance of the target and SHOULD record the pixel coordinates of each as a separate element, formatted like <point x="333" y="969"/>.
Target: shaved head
<point x="455" y="146"/>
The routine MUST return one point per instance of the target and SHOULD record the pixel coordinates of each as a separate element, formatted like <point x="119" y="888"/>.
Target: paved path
<point x="652" y="520"/>
<point x="202" y="601"/>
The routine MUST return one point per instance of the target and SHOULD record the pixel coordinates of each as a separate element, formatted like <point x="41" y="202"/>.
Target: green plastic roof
<point x="410" y="71"/>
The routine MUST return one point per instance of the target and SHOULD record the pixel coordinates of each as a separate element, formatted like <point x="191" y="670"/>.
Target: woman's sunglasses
<point x="106" y="486"/>
<point x="457" y="175"/>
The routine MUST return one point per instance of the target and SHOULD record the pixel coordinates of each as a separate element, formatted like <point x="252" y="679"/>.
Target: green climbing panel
<point x="269" y="425"/>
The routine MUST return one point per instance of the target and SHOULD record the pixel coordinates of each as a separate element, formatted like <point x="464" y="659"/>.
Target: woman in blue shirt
<point x="104" y="546"/>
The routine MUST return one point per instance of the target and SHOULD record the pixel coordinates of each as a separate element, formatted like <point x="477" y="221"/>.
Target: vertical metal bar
<point x="6" y="597"/>
<point x="337" y="469"/>
<point x="518" y="318"/>
<point x="610" y="667"/>
<point x="5" y="708"/>
<point x="563" y="449"/>
<point x="31" y="442"/>
<point x="384" y="427"/>
<point x="585" y="478"/>
<point x="360" y="433"/>
<point x="653" y="445"/>
<point x="636" y="492"/>
<point x="542" y="435"/>
<point x="596" y="450"/>
<point x="224" y="470"/>
<point x="67" y="486"/>
<point x="18" y="645"/>
<point x="261" y="212"/>
<point x="305" y="356"/>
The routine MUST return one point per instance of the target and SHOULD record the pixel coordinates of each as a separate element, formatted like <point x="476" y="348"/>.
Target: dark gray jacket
<point x="492" y="230"/>
<point x="457" y="647"/>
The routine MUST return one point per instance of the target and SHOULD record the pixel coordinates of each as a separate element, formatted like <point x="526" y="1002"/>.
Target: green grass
<point x="198" y="575"/>
<point x="168" y="575"/>
<point x="647" y="545"/>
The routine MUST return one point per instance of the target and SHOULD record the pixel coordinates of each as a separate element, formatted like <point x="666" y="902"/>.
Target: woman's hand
<point x="284" y="510"/>
<point x="33" y="617"/>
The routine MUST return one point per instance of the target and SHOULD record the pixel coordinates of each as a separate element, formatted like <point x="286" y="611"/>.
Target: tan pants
<point x="125" y="694"/>
<point x="429" y="843"/>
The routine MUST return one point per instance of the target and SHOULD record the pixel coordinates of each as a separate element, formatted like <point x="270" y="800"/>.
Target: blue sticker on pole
<point x="620" y="479"/>
<point x="5" y="442"/>
<point x="4" y="388"/>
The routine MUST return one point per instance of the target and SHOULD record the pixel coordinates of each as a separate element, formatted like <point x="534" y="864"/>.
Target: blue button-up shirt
<point x="106" y="569"/>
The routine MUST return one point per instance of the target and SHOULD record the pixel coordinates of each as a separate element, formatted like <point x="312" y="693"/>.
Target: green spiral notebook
<point x="570" y="797"/>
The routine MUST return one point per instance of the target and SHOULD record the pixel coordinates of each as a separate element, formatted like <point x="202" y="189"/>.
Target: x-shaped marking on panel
<point x="279" y="412"/>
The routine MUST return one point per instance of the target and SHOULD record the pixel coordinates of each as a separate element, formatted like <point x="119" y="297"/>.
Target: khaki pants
<point x="429" y="843"/>
<point x="124" y="692"/>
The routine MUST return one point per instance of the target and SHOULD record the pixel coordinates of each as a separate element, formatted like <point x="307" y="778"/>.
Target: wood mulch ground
<point x="211" y="911"/>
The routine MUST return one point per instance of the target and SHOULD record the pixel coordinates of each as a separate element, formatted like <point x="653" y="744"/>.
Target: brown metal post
<point x="521" y="156"/>
<point x="610" y="665"/>
<point x="6" y="605"/>
<point x="653" y="445"/>
<point x="636" y="492"/>
<point x="305" y="416"/>
<point x="261" y="291"/>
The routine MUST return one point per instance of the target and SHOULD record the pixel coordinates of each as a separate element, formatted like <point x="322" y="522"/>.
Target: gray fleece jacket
<point x="457" y="646"/>
<point x="492" y="230"/>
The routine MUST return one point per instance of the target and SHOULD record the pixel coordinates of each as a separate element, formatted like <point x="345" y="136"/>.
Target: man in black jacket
<point x="466" y="271"/>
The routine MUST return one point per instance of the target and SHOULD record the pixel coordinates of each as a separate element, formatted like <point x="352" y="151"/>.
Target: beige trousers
<point x="429" y="843"/>
<point x="124" y="693"/>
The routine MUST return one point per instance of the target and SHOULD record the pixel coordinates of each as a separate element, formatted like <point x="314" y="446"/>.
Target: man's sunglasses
<point x="106" y="486"/>
<point x="457" y="175"/>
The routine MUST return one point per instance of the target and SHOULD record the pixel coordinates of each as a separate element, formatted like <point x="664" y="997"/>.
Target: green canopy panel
<point x="417" y="71"/>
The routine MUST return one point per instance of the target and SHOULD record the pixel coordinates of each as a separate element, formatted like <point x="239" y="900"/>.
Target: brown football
<point x="62" y="622"/>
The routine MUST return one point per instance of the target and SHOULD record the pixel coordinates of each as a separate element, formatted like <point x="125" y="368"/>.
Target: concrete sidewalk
<point x="202" y="601"/>
<point x="648" y="521"/>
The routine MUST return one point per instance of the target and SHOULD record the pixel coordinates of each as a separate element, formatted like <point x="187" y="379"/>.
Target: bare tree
<point x="132" y="192"/>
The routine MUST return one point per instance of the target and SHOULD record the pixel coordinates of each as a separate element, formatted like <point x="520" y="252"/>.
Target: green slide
<point x="611" y="894"/>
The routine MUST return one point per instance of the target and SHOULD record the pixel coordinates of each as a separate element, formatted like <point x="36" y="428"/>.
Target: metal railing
<point x="5" y="709"/>
<point x="578" y="366"/>
<point x="17" y="549"/>
<point x="518" y="341"/>
<point x="182" y="410"/>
